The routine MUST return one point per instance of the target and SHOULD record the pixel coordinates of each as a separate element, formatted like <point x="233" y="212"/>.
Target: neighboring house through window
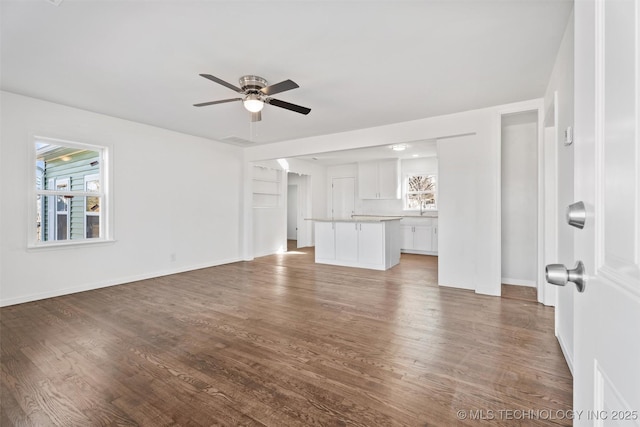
<point x="58" y="218"/>
<point x="70" y="196"/>
<point x="92" y="206"/>
<point x="420" y="192"/>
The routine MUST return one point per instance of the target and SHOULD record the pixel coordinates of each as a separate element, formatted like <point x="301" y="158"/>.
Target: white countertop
<point x="430" y="214"/>
<point x="358" y="218"/>
<point x="375" y="218"/>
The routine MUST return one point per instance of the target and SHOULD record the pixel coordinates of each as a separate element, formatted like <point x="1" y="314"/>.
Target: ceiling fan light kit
<point x="253" y="103"/>
<point x="257" y="93"/>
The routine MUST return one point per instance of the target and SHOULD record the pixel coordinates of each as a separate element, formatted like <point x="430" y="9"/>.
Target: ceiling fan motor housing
<point x="252" y="84"/>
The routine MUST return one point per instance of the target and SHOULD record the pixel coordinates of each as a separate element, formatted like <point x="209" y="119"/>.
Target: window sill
<point x="69" y="245"/>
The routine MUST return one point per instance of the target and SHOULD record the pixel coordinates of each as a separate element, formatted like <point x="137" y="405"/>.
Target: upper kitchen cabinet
<point x="379" y="179"/>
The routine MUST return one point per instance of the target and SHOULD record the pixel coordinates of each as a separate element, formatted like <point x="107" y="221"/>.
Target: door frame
<point x="536" y="105"/>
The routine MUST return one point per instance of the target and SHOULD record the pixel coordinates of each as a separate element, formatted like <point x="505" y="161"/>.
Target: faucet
<point x="421" y="207"/>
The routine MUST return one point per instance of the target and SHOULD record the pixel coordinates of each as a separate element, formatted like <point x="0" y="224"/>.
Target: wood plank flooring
<point x="281" y="341"/>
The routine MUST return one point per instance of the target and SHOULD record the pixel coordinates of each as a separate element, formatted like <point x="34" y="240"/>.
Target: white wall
<point x="172" y="194"/>
<point x="519" y="198"/>
<point x="561" y="88"/>
<point x="457" y="216"/>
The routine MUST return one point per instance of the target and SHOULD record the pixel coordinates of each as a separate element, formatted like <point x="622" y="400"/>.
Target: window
<point x="420" y="192"/>
<point x="69" y="193"/>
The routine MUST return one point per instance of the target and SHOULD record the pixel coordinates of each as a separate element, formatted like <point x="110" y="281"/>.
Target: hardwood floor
<point x="281" y="341"/>
<point x="524" y="293"/>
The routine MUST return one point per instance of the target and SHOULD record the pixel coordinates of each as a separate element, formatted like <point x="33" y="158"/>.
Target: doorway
<point x="292" y="212"/>
<point x="298" y="229"/>
<point x="519" y="198"/>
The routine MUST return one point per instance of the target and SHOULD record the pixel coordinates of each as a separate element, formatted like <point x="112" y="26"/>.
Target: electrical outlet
<point x="173" y="257"/>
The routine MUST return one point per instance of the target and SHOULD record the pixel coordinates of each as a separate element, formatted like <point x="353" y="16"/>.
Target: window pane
<point x="63" y="168"/>
<point x="421" y="183"/>
<point x="62" y="204"/>
<point x="93" y="185"/>
<point x="39" y="222"/>
<point x="40" y="182"/>
<point x="420" y="192"/>
<point x="93" y="204"/>
<point x="62" y="226"/>
<point x="93" y="226"/>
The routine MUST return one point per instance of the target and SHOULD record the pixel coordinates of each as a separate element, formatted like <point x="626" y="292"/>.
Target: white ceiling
<point x="412" y="150"/>
<point x="359" y="64"/>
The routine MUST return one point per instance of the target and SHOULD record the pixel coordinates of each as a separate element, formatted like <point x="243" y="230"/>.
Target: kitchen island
<point x="365" y="242"/>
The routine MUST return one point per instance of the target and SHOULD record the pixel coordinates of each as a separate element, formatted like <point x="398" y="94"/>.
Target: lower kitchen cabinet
<point x="325" y="240"/>
<point x="420" y="236"/>
<point x="365" y="244"/>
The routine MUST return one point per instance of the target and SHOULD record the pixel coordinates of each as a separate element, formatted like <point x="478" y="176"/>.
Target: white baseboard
<point x="565" y="351"/>
<point x="519" y="282"/>
<point x="104" y="284"/>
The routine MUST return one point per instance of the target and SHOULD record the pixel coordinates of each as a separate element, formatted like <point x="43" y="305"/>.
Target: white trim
<point x="66" y="244"/>
<point x="568" y="357"/>
<point x="108" y="283"/>
<point x="519" y="282"/>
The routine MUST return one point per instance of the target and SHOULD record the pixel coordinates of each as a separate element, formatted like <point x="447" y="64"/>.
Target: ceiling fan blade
<point x="279" y="87"/>
<point x="256" y="117"/>
<point x="222" y="101"/>
<point x="222" y="82"/>
<point x="288" y="106"/>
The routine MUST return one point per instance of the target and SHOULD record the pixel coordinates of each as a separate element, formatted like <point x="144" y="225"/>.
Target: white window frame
<point x="405" y="192"/>
<point x="106" y="212"/>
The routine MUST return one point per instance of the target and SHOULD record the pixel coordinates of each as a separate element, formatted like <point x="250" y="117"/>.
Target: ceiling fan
<point x="256" y="94"/>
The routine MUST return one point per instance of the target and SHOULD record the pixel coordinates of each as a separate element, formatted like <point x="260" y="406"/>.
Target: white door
<point x="607" y="180"/>
<point x="343" y="197"/>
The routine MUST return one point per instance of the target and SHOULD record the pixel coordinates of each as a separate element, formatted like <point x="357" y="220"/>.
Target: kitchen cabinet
<point x="346" y="241"/>
<point x="372" y="243"/>
<point x="419" y="235"/>
<point x="379" y="179"/>
<point x="361" y="242"/>
<point x="325" y="240"/>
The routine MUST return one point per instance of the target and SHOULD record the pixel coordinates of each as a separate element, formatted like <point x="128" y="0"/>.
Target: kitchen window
<point x="420" y="192"/>
<point x="70" y="196"/>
